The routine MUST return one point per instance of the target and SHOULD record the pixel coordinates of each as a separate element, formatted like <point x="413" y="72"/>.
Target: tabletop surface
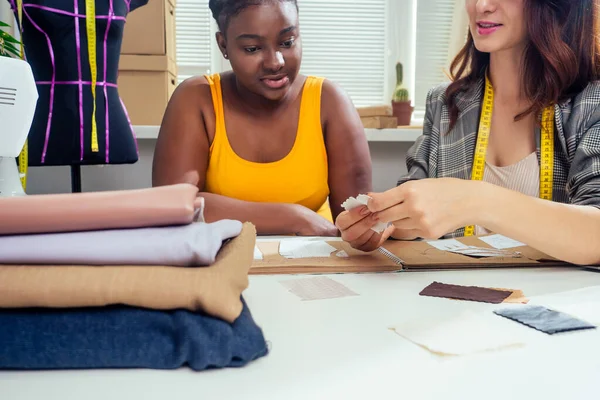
<point x="344" y="349"/>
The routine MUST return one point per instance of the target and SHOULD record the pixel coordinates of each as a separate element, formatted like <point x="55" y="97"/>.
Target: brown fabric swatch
<point x="215" y="289"/>
<point x="472" y="293"/>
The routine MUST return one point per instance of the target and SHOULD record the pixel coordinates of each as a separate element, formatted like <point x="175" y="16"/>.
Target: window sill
<point x="407" y="134"/>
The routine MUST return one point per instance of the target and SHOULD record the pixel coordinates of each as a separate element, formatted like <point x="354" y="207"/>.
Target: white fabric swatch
<point x="294" y="248"/>
<point x="363" y="200"/>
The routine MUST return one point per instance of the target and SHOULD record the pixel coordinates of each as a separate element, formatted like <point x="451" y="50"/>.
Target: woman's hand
<point x="309" y="223"/>
<point x="427" y="208"/>
<point x="356" y="225"/>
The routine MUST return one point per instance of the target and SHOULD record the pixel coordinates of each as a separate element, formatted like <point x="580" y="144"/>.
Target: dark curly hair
<point x="562" y="57"/>
<point x="224" y="10"/>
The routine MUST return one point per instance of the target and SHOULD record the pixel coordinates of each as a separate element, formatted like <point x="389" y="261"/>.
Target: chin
<point x="488" y="46"/>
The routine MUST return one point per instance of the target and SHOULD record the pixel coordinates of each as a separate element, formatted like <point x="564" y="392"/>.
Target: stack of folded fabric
<point x="124" y="279"/>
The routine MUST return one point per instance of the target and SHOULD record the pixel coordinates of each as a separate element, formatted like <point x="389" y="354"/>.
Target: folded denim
<point x="126" y="337"/>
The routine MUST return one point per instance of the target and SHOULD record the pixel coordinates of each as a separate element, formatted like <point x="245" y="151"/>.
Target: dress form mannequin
<point x="56" y="47"/>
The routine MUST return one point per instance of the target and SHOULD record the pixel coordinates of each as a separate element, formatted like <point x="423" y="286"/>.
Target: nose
<point x="486" y="6"/>
<point x="273" y="61"/>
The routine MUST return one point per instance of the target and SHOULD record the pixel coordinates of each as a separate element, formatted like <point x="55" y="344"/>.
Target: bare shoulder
<point x="332" y="92"/>
<point x="195" y="89"/>
<point x="336" y="104"/>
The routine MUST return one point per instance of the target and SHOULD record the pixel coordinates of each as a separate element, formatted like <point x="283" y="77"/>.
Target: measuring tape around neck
<point x="546" y="147"/>
<point x="90" y="23"/>
<point x="24" y="154"/>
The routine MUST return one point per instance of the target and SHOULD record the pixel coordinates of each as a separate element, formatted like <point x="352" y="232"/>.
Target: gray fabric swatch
<point x="186" y="245"/>
<point x="544" y="319"/>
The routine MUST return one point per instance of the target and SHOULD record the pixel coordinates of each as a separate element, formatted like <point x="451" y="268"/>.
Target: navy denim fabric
<point x="125" y="337"/>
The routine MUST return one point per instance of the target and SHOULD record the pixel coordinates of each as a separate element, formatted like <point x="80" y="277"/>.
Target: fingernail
<point x="364" y="211"/>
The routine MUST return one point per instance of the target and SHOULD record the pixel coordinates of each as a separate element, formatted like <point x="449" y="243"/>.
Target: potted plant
<point x="9" y="46"/>
<point x="401" y="103"/>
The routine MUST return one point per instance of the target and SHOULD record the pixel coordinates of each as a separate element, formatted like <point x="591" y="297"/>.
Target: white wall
<point x="388" y="165"/>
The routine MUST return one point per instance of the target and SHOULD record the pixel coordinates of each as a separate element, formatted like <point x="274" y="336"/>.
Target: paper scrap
<point x="317" y="288"/>
<point x="305" y="248"/>
<point x="472" y="293"/>
<point x="258" y="255"/>
<point x="363" y="200"/>
<point x="342" y="254"/>
<point x="501" y="242"/>
<point x="479" y="252"/>
<point x="448" y="244"/>
<point x="463" y="334"/>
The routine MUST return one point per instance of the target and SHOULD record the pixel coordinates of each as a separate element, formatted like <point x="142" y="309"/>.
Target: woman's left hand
<point x="427" y="208"/>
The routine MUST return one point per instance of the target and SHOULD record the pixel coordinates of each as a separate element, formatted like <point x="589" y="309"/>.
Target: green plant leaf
<point x="9" y="48"/>
<point x="8" y="38"/>
<point x="4" y="24"/>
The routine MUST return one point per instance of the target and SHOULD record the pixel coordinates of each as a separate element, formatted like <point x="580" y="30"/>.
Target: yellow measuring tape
<point x="546" y="147"/>
<point x="23" y="155"/>
<point x="90" y="23"/>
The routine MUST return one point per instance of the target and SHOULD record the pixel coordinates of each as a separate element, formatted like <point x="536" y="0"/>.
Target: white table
<point x="343" y="349"/>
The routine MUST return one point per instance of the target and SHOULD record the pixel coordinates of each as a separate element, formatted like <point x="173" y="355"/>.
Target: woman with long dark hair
<point x="512" y="144"/>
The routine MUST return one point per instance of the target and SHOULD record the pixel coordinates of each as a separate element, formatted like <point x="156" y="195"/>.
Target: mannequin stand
<point x="76" y="178"/>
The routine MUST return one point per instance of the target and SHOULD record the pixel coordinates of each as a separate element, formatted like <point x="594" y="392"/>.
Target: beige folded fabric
<point x="45" y="213"/>
<point x="215" y="290"/>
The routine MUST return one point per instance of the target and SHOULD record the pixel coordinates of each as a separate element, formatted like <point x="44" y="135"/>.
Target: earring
<point x="225" y="55"/>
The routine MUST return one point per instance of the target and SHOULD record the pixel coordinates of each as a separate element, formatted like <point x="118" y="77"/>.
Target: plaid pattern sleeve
<point x="581" y="128"/>
<point x="440" y="152"/>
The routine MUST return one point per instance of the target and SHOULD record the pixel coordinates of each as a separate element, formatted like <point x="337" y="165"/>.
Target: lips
<point x="276" y="81"/>
<point x="487" y="27"/>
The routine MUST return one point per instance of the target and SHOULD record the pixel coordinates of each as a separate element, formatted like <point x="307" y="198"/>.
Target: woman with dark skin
<point x="291" y="141"/>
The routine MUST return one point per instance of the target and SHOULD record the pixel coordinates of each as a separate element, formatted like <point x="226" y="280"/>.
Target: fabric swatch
<point x="318" y="288"/>
<point x="472" y="293"/>
<point x="362" y="200"/>
<point x="186" y="245"/>
<point x="544" y="319"/>
<point x="295" y="248"/>
<point x="126" y="337"/>
<point x="462" y="334"/>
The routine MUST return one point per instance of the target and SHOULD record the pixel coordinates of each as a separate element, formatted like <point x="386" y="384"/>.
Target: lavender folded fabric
<point x="188" y="245"/>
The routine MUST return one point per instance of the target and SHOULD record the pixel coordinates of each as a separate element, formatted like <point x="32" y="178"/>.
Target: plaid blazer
<point x="438" y="153"/>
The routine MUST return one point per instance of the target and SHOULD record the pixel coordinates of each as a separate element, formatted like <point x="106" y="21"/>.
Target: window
<point x="194" y="38"/>
<point x="355" y="43"/>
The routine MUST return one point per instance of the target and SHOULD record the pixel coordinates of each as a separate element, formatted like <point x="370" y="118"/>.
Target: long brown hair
<point x="560" y="60"/>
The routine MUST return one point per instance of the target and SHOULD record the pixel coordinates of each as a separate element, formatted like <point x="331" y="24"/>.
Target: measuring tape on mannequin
<point x="90" y="23"/>
<point x="546" y="147"/>
<point x="23" y="155"/>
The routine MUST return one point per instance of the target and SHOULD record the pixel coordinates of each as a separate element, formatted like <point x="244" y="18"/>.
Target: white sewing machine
<point x="18" y="99"/>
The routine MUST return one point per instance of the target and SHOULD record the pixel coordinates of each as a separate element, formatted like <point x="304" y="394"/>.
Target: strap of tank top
<point x="311" y="102"/>
<point x="214" y="81"/>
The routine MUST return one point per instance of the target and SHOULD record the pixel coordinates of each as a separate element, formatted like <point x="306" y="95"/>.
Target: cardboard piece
<point x="395" y="256"/>
<point x="150" y="30"/>
<point x="375" y="111"/>
<point x="351" y="260"/>
<point x="379" y="122"/>
<point x="146" y="84"/>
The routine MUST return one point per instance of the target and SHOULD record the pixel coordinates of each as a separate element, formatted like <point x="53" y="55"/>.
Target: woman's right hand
<point x="309" y="223"/>
<point x="356" y="225"/>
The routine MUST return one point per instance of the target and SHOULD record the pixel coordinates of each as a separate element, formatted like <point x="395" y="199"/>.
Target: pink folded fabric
<point x="159" y="206"/>
<point x="195" y="244"/>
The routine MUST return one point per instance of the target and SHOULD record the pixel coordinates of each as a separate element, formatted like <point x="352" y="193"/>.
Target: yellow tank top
<point x="301" y="177"/>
